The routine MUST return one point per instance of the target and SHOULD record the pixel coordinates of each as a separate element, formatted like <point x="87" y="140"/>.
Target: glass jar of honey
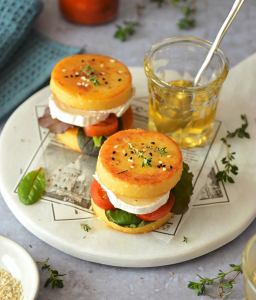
<point x="176" y="108"/>
<point x="89" y="12"/>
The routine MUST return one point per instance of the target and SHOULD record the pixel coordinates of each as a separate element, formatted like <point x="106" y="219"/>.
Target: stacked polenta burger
<point x="140" y="181"/>
<point x="91" y="97"/>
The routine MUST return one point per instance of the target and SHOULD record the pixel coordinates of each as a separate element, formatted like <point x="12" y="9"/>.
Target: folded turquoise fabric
<point x="26" y="57"/>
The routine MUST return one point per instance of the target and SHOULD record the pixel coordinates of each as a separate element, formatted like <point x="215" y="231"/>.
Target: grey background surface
<point x="86" y="280"/>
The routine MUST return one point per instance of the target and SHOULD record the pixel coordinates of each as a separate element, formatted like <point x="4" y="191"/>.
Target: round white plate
<point x="206" y="228"/>
<point x="17" y="261"/>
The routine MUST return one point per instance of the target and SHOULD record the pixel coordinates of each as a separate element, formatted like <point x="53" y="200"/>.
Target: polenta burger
<point x="91" y="97"/>
<point x="140" y="181"/>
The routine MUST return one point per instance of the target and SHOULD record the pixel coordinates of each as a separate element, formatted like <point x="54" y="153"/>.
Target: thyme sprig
<point x="188" y="8"/>
<point x="146" y="160"/>
<point x="129" y="26"/>
<point x="87" y="71"/>
<point x="199" y="287"/>
<point x="53" y="274"/>
<point x="229" y="167"/>
<point x="85" y="227"/>
<point x="185" y="239"/>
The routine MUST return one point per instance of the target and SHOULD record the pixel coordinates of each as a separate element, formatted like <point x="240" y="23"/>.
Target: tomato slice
<point x="107" y="127"/>
<point x="161" y="211"/>
<point x="100" y="196"/>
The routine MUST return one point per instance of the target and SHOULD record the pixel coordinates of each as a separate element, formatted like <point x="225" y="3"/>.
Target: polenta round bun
<point x="121" y="171"/>
<point x="69" y="137"/>
<point x="114" y="78"/>
<point x="139" y="230"/>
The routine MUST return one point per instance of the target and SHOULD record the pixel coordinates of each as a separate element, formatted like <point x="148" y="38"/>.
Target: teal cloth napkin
<point x="26" y="57"/>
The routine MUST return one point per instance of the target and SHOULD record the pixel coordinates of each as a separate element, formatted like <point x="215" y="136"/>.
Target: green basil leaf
<point x="31" y="187"/>
<point x="182" y="192"/>
<point x="122" y="217"/>
<point x="86" y="143"/>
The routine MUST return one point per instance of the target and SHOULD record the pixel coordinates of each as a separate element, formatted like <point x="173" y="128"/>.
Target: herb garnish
<point x="53" y="274"/>
<point x="146" y="160"/>
<point x="241" y="133"/>
<point x="188" y="8"/>
<point x="129" y="28"/>
<point x="31" y="187"/>
<point x="199" y="287"/>
<point x="185" y="239"/>
<point x="87" y="71"/>
<point x="86" y="228"/>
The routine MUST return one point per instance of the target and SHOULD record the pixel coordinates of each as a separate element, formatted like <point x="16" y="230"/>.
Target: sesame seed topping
<point x="115" y="146"/>
<point x="119" y="79"/>
<point x="83" y="78"/>
<point x="106" y="82"/>
<point x="164" y="165"/>
<point x="153" y="143"/>
<point x="158" y="166"/>
<point x="64" y="70"/>
<point x="170" y="167"/>
<point x="101" y="65"/>
<point x="120" y="72"/>
<point x="82" y="83"/>
<point x="150" y="154"/>
<point x="125" y="154"/>
<point x="79" y="83"/>
<point x="112" y="60"/>
<point x="86" y="84"/>
<point x="130" y="157"/>
<point x="144" y="149"/>
<point x="71" y="75"/>
<point x="93" y="59"/>
<point x="164" y="169"/>
<point x="114" y="152"/>
<point x="160" y="162"/>
<point x="66" y="76"/>
<point x="77" y="73"/>
<point x="82" y="60"/>
<point x="102" y="73"/>
<point x="113" y="158"/>
<point x="169" y="156"/>
<point x="103" y="79"/>
<point x="132" y="167"/>
<point x="132" y="152"/>
<point x="123" y="151"/>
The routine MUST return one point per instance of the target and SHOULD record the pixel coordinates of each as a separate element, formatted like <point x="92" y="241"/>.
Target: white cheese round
<point x="133" y="205"/>
<point x="84" y="118"/>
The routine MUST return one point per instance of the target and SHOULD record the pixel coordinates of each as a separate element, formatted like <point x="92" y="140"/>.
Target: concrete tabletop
<point x="86" y="280"/>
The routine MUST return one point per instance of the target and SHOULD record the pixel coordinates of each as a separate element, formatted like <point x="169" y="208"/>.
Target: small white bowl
<point x="17" y="261"/>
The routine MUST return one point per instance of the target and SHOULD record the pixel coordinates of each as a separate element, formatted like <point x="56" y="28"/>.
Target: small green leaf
<point x="31" y="187"/>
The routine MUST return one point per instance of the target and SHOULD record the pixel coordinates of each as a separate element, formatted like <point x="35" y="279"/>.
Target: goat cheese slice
<point x="84" y="118"/>
<point x="133" y="205"/>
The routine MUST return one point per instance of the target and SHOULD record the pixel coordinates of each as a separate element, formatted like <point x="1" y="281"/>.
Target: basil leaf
<point x="120" y="124"/>
<point x="86" y="143"/>
<point x="122" y="217"/>
<point x="31" y="187"/>
<point x="182" y="192"/>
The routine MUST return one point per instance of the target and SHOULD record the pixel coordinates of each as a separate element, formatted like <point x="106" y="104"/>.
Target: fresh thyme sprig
<point x="188" y="8"/>
<point x="86" y="228"/>
<point x="185" y="239"/>
<point x="241" y="133"/>
<point x="199" y="287"/>
<point x="123" y="32"/>
<point x="161" y="151"/>
<point x="146" y="160"/>
<point x="53" y="274"/>
<point x="87" y="71"/>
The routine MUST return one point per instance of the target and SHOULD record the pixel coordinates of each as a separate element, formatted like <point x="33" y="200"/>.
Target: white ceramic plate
<point x="207" y="228"/>
<point x="17" y="261"/>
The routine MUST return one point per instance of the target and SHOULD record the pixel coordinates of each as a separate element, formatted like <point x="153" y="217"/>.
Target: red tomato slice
<point x="100" y="196"/>
<point x="161" y="211"/>
<point x="107" y="127"/>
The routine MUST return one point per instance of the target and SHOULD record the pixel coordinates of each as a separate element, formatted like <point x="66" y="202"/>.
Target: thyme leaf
<point x="185" y="239"/>
<point x="53" y="274"/>
<point x="87" y="71"/>
<point x="229" y="167"/>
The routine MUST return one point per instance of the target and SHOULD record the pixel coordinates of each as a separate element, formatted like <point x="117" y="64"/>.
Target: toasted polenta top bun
<point x="71" y="86"/>
<point x="120" y="169"/>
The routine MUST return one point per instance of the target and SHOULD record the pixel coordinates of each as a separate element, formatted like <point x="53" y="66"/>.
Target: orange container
<point x="89" y="12"/>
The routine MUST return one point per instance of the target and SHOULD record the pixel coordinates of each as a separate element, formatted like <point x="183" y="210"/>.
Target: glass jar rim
<point x="215" y="83"/>
<point x="244" y="261"/>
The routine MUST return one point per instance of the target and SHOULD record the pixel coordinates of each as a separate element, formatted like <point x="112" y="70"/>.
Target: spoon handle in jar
<point x="230" y="17"/>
